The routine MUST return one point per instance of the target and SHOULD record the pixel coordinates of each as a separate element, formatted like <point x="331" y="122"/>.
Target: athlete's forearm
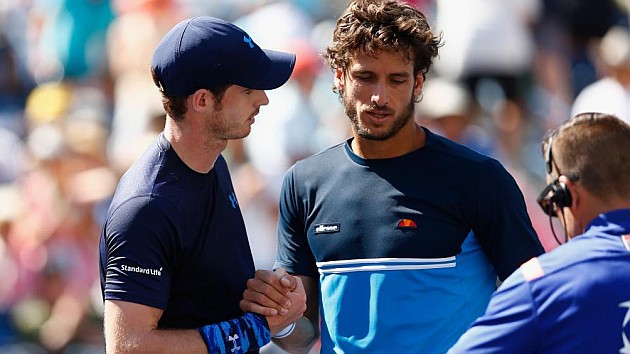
<point x="235" y="336"/>
<point x="302" y="339"/>
<point x="156" y="341"/>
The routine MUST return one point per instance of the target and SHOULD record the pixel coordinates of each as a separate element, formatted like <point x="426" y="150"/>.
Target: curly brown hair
<point x="371" y="26"/>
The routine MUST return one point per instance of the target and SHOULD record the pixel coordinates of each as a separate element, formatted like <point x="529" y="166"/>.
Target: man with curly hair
<point x="397" y="233"/>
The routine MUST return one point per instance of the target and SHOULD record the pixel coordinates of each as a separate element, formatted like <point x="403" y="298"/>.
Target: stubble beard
<point x="399" y="122"/>
<point x="218" y="128"/>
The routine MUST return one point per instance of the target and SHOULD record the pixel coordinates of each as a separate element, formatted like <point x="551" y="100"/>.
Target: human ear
<point x="201" y="99"/>
<point x="339" y="80"/>
<point x="418" y="84"/>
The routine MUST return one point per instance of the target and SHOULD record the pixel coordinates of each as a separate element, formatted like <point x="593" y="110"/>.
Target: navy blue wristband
<point x="240" y="335"/>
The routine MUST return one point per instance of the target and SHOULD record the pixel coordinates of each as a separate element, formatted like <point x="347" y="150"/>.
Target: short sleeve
<point x="495" y="207"/>
<point x="141" y="247"/>
<point x="293" y="252"/>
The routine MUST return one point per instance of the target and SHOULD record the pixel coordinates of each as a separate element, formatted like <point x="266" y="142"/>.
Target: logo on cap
<point x="233" y="200"/>
<point x="249" y="41"/>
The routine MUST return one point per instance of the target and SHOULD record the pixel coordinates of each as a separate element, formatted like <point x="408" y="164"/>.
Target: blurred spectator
<point x="567" y="36"/>
<point x="69" y="39"/>
<point x="277" y="23"/>
<point x="624" y="5"/>
<point x="15" y="85"/>
<point x="570" y="29"/>
<point x="54" y="240"/>
<point x="492" y="54"/>
<point x="13" y="158"/>
<point x="611" y="93"/>
<point x="447" y="109"/>
<point x="131" y="39"/>
<point x="10" y="208"/>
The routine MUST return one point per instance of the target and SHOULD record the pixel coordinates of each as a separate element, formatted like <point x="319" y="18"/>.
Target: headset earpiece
<point x="560" y="195"/>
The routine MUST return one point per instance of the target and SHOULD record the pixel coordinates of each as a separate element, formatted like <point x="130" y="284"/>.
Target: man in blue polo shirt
<point x="575" y="299"/>
<point x="397" y="233"/>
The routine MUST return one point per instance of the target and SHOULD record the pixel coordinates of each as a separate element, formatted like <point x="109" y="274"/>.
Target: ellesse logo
<point x="407" y="224"/>
<point x="327" y="228"/>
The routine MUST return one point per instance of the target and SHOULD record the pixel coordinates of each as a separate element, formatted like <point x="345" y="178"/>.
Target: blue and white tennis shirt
<point x="407" y="249"/>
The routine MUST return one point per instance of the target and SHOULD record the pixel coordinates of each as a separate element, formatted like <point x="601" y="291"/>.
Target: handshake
<point x="277" y="295"/>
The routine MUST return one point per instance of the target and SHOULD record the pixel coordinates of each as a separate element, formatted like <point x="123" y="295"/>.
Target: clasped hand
<point x="277" y="295"/>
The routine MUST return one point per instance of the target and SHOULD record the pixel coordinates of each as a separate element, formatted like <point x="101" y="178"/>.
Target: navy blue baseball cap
<point x="206" y="52"/>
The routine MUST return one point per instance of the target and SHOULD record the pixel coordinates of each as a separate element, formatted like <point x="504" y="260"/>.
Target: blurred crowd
<point x="77" y="106"/>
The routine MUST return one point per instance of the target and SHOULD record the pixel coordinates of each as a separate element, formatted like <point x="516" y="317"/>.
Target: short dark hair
<point x="594" y="146"/>
<point x="175" y="106"/>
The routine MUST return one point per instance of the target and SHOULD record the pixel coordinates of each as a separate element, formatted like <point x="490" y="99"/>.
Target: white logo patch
<point x="327" y="228"/>
<point x="157" y="272"/>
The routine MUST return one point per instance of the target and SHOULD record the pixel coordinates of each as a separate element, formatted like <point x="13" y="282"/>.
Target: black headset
<point x="557" y="192"/>
<point x="556" y="195"/>
<point x="560" y="195"/>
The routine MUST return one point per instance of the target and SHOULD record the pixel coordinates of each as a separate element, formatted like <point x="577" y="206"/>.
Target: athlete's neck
<point x="409" y="138"/>
<point x="192" y="146"/>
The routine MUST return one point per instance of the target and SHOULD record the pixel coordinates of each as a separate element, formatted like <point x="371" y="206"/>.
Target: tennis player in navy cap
<point x="174" y="255"/>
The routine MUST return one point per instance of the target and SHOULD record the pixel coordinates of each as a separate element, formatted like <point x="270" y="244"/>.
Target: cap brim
<point x="279" y="71"/>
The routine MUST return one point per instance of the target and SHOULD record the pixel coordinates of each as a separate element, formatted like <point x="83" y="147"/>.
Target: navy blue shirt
<point x="175" y="239"/>
<point x="407" y="249"/>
